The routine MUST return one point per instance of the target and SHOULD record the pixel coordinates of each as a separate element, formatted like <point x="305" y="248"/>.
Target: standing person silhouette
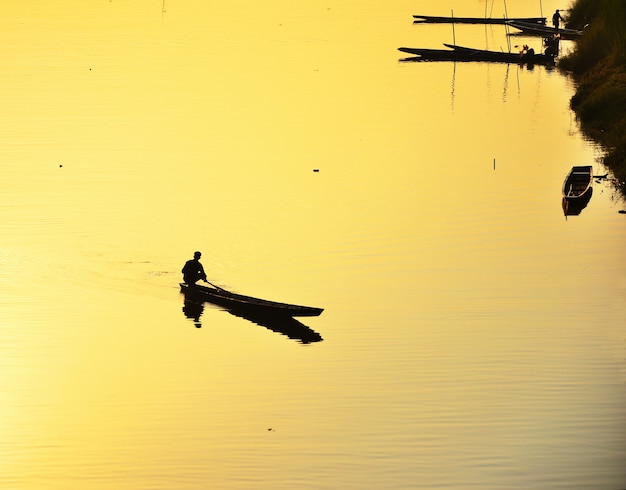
<point x="193" y="270"/>
<point x="556" y="19"/>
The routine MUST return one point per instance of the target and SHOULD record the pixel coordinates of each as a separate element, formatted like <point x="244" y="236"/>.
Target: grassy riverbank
<point x="599" y="66"/>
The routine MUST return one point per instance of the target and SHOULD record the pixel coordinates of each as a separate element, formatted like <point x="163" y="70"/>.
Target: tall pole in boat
<point x="453" y="32"/>
<point x="506" y="33"/>
<point x="506" y="27"/>
<point x="541" y="8"/>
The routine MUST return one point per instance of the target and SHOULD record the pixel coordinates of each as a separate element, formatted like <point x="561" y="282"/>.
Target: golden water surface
<point x="472" y="336"/>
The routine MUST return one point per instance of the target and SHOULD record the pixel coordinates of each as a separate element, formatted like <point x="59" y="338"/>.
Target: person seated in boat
<point x="193" y="270"/>
<point x="527" y="52"/>
<point x="556" y="19"/>
<point x="552" y="45"/>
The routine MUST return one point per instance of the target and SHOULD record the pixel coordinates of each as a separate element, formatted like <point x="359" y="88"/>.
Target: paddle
<point x="216" y="287"/>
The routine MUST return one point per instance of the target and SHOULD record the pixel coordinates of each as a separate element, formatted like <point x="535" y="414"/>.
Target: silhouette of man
<point x="556" y="18"/>
<point x="193" y="270"/>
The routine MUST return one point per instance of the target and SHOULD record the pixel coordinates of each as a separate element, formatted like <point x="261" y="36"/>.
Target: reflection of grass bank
<point x="599" y="64"/>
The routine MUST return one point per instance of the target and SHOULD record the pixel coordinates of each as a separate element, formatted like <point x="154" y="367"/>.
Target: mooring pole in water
<point x="506" y="33"/>
<point x="453" y="33"/>
<point x="506" y="27"/>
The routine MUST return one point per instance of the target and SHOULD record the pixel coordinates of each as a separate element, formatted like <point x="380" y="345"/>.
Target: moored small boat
<point x="541" y="30"/>
<point x="433" y="19"/>
<point x="460" y="53"/>
<point x="577" y="189"/>
<point x="240" y="302"/>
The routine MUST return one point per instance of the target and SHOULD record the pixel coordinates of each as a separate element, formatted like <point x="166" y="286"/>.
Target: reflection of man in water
<point x="193" y="270"/>
<point x="556" y="18"/>
<point x="193" y="311"/>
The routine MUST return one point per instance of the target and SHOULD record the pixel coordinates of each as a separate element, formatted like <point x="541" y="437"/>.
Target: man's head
<point x="197" y="255"/>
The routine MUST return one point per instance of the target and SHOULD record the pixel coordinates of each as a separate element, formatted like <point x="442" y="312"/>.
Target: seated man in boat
<point x="527" y="52"/>
<point x="552" y="45"/>
<point x="193" y="270"/>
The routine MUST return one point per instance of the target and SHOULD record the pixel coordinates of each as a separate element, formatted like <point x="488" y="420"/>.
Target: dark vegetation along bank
<point x="598" y="64"/>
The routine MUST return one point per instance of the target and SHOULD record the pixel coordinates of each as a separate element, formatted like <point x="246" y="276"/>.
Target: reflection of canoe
<point x="577" y="189"/>
<point x="539" y="30"/>
<point x="475" y="20"/>
<point x="282" y="324"/>
<point x="460" y="53"/>
<point x="246" y="303"/>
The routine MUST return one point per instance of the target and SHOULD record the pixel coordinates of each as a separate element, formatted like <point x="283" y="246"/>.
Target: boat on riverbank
<point x="432" y="19"/>
<point x="461" y="53"/>
<point x="577" y="189"/>
<point x="534" y="29"/>
<point x="239" y="302"/>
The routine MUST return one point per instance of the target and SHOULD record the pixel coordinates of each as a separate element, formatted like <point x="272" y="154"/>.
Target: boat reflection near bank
<point x="276" y="320"/>
<point x="577" y="190"/>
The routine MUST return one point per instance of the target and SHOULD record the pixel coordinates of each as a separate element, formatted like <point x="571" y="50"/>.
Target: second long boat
<point x="432" y="19"/>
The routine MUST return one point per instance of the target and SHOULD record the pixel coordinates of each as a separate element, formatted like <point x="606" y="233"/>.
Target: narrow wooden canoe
<point x="577" y="189"/>
<point x="539" y="30"/>
<point x="432" y="19"/>
<point x="240" y="302"/>
<point x="460" y="53"/>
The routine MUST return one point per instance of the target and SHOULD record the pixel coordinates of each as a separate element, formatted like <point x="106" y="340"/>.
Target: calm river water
<point x="472" y="336"/>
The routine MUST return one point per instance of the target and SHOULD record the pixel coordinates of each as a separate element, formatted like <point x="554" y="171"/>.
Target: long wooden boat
<point x="460" y="53"/>
<point x="539" y="30"/>
<point x="577" y="189"/>
<point x="240" y="302"/>
<point x="432" y="19"/>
